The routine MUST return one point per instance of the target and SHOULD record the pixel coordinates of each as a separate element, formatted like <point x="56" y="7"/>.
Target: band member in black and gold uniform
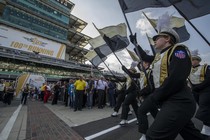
<point x="200" y="81"/>
<point x="120" y="91"/>
<point x="145" y="90"/>
<point x="121" y="94"/>
<point x="130" y="99"/>
<point x="171" y="68"/>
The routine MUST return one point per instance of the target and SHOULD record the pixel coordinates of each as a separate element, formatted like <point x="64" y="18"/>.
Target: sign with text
<point x="16" y="39"/>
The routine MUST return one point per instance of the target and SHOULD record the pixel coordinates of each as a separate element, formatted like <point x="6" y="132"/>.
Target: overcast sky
<point x="107" y="12"/>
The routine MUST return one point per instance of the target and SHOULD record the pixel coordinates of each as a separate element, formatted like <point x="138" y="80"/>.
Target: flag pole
<point x="122" y="65"/>
<point x="91" y="70"/>
<point x="95" y="68"/>
<point x="110" y="70"/>
<point x="117" y="57"/>
<point x="135" y="58"/>
<point x="152" y="48"/>
<point x="102" y="34"/>
<point x="182" y="14"/>
<point x="106" y="66"/>
<point x="93" y="65"/>
<point x="137" y="51"/>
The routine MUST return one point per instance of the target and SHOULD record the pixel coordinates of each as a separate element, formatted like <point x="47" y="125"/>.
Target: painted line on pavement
<point x="106" y="131"/>
<point x="7" y="129"/>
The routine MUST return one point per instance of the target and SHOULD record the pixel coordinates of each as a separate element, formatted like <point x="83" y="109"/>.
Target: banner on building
<point x="16" y="39"/>
<point x="34" y="81"/>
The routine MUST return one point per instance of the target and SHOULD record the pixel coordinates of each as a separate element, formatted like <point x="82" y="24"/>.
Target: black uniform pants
<point x="146" y="106"/>
<point x="130" y="99"/>
<point x="120" y="99"/>
<point x="173" y="118"/>
<point x="24" y="98"/>
<point x="203" y="112"/>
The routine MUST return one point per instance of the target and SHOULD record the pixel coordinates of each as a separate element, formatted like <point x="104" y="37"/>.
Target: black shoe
<point x="75" y="110"/>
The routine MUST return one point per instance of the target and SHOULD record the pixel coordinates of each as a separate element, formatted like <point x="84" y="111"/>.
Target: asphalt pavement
<point x="39" y="121"/>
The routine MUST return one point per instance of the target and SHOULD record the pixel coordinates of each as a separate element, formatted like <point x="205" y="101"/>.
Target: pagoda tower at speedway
<point x="42" y="37"/>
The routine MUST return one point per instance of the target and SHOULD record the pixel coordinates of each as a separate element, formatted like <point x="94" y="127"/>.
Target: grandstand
<point x="43" y="37"/>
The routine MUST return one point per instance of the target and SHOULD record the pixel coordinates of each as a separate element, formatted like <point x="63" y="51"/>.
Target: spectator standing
<point x="95" y="92"/>
<point x="25" y="93"/>
<point x="71" y="92"/>
<point x="2" y="89"/>
<point x="36" y="93"/>
<point x="101" y="86"/>
<point x="111" y="93"/>
<point x="46" y="92"/>
<point x="56" y="89"/>
<point x="80" y="86"/>
<point x="84" y="101"/>
<point x="9" y="93"/>
<point x="90" y="92"/>
<point x="42" y="89"/>
<point x="65" y="90"/>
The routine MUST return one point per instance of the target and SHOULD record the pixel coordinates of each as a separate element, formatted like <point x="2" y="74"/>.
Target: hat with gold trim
<point x="168" y="32"/>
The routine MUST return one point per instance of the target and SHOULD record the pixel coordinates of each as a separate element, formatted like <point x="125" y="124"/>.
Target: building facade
<point x="41" y="36"/>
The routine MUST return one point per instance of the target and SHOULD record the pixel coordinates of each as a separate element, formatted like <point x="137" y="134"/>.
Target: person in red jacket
<point x="47" y="90"/>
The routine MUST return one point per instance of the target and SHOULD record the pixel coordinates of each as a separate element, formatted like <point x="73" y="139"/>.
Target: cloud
<point x="92" y="11"/>
<point x="205" y="58"/>
<point x="143" y="26"/>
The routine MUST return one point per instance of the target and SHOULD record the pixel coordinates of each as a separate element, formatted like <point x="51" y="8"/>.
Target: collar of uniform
<point x="165" y="49"/>
<point x="196" y="66"/>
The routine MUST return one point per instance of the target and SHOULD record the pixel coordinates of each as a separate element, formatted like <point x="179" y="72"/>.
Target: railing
<point x="28" y="56"/>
